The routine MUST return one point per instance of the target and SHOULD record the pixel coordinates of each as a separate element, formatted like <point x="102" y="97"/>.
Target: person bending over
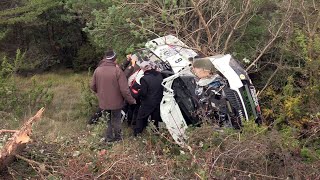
<point x="150" y="93"/>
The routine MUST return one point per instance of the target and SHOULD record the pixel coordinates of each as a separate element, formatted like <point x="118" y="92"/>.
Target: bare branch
<point x="110" y="167"/>
<point x="275" y="36"/>
<point x="268" y="82"/>
<point x="203" y="22"/>
<point x="236" y="25"/>
<point x="248" y="172"/>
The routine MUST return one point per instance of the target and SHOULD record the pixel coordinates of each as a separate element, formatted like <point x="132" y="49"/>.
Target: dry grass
<point x="60" y="117"/>
<point x="67" y="148"/>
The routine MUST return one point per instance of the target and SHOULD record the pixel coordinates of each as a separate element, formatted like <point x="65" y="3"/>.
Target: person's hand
<point x="133" y="62"/>
<point x="129" y="57"/>
<point x="134" y="59"/>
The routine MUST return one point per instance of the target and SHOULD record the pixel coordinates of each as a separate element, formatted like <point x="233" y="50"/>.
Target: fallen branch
<point x="18" y="141"/>
<point x="31" y="162"/>
<point x="7" y="131"/>
<point x="248" y="172"/>
<point x="110" y="167"/>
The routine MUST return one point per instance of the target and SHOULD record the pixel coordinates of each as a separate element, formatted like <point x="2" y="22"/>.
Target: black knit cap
<point x="110" y="55"/>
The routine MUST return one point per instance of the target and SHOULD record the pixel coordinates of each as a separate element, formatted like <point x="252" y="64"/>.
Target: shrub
<point x="15" y="100"/>
<point x="87" y="57"/>
<point x="89" y="102"/>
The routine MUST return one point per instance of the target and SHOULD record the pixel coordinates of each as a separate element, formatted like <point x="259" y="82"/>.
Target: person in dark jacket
<point x="111" y="87"/>
<point x="150" y="93"/>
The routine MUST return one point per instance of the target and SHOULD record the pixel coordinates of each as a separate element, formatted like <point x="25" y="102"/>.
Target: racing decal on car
<point x="165" y="53"/>
<point x="254" y="95"/>
<point x="178" y="60"/>
<point x="241" y="115"/>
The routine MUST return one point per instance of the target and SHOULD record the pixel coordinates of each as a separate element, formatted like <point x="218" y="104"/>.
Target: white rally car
<point x="227" y="98"/>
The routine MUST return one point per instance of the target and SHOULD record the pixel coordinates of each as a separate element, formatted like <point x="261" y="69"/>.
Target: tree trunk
<point x="18" y="141"/>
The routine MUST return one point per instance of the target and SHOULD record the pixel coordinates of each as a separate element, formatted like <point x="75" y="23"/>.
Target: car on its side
<point x="227" y="98"/>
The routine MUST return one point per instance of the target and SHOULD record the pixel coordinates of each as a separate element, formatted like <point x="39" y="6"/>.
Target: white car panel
<point x="171" y="114"/>
<point x="171" y="49"/>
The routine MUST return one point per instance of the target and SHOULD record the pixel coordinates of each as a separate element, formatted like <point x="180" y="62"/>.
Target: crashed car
<point x="227" y="97"/>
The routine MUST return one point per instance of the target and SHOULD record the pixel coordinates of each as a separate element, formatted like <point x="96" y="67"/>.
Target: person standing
<point x="111" y="87"/>
<point x="131" y="69"/>
<point x="150" y="94"/>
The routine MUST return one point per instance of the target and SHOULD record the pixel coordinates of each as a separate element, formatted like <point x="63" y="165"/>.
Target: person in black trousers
<point x="150" y="94"/>
<point x="130" y="68"/>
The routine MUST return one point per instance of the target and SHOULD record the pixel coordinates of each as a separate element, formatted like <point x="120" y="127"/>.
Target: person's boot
<point x="110" y="140"/>
<point x="95" y="117"/>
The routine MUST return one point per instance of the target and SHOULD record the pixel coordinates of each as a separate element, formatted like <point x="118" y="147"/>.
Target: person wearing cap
<point x="111" y="87"/>
<point x="150" y="93"/>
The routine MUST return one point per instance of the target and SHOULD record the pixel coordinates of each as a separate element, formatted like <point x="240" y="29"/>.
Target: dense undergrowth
<point x="254" y="153"/>
<point x="64" y="147"/>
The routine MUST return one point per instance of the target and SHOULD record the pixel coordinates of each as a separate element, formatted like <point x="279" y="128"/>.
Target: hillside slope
<point x="65" y="147"/>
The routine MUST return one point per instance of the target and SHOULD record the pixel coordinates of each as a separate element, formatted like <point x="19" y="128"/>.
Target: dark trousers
<point x="133" y="110"/>
<point x="114" y="125"/>
<point x="113" y="122"/>
<point x="143" y="115"/>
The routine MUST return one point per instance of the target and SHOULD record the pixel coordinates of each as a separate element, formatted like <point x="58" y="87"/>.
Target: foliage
<point x="14" y="99"/>
<point x="111" y="29"/>
<point x="295" y="91"/>
<point x="2" y="33"/>
<point x="257" y="153"/>
<point x="27" y="11"/>
<point x="281" y="36"/>
<point x="87" y="58"/>
<point x="44" y="30"/>
<point x="254" y="33"/>
<point x="89" y="102"/>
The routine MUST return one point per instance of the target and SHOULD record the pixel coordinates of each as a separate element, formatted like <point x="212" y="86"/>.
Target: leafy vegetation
<point x="17" y="101"/>
<point x="277" y="40"/>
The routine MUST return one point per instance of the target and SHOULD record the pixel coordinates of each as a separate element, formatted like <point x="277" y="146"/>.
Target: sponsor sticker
<point x="242" y="76"/>
<point x="254" y="96"/>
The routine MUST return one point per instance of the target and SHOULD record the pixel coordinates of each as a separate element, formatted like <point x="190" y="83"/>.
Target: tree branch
<point x="273" y="39"/>
<point x="236" y="26"/>
<point x="203" y="22"/>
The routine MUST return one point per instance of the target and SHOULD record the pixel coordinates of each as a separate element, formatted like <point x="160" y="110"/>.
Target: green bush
<point x="87" y="57"/>
<point x="18" y="101"/>
<point x="89" y="102"/>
